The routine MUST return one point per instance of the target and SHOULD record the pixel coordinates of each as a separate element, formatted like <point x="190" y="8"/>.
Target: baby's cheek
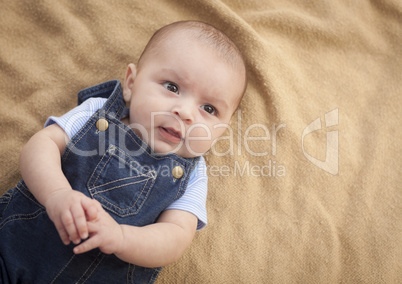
<point x="198" y="148"/>
<point x="199" y="140"/>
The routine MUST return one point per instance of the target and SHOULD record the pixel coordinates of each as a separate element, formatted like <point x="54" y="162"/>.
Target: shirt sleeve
<point x="75" y="119"/>
<point x="195" y="197"/>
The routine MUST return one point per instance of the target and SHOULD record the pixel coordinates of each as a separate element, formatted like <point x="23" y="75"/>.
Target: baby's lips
<point x="171" y="135"/>
<point x="174" y="132"/>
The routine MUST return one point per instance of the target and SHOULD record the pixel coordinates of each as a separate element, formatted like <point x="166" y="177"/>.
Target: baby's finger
<point x="69" y="227"/>
<point x="80" y="221"/>
<point x="62" y="233"/>
<point x="91" y="208"/>
<point x="89" y="244"/>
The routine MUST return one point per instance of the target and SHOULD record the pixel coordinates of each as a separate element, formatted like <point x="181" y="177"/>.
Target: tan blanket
<point x="306" y="185"/>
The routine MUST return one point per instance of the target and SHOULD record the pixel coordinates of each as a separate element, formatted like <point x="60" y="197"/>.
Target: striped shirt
<point x="195" y="196"/>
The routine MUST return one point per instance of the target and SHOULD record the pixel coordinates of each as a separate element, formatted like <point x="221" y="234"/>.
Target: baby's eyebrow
<point x="173" y="72"/>
<point x="218" y="102"/>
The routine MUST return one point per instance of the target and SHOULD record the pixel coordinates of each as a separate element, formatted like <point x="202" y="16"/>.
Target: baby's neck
<point x="125" y="120"/>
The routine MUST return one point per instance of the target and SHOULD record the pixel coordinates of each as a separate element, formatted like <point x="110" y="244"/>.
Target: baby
<point x="120" y="179"/>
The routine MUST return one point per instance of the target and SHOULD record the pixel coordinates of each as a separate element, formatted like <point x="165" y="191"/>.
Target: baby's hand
<point x="105" y="233"/>
<point x="69" y="210"/>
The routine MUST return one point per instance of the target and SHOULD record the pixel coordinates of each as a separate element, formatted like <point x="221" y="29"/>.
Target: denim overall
<point x="110" y="164"/>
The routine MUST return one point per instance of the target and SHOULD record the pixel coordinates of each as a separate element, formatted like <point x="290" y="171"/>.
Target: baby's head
<point x="185" y="88"/>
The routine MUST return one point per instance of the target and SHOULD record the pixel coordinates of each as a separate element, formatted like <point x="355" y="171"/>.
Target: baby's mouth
<point x="171" y="134"/>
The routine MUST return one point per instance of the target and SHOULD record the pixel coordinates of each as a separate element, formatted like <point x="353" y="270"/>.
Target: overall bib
<point x="106" y="161"/>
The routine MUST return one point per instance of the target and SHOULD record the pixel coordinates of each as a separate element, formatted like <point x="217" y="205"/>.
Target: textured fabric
<point x="194" y="198"/>
<point x="274" y="216"/>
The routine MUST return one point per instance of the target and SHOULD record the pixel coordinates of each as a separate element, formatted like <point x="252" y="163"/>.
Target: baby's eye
<point x="209" y="109"/>
<point x="172" y="87"/>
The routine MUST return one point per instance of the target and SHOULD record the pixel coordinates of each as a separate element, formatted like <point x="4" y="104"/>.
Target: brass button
<point x="177" y="172"/>
<point x="102" y="124"/>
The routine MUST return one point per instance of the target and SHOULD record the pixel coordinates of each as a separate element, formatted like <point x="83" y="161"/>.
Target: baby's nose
<point x="185" y="112"/>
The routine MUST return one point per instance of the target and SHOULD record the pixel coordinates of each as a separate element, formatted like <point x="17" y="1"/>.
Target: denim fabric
<point x="114" y="167"/>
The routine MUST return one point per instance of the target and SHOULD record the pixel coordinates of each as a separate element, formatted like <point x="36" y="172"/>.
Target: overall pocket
<point x="120" y="184"/>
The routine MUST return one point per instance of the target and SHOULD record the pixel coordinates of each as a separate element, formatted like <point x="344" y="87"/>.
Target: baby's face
<point x="182" y="98"/>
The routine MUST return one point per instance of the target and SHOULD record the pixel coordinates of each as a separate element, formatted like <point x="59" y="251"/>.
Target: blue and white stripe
<point x="75" y="119"/>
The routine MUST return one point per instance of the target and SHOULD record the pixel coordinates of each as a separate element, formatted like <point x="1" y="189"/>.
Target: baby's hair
<point x="207" y="34"/>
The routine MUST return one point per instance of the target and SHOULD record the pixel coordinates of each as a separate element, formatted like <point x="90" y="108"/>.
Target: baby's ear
<point x="129" y="82"/>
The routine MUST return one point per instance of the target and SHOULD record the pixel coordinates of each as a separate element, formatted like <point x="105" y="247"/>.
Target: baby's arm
<point x="154" y="245"/>
<point x="40" y="164"/>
